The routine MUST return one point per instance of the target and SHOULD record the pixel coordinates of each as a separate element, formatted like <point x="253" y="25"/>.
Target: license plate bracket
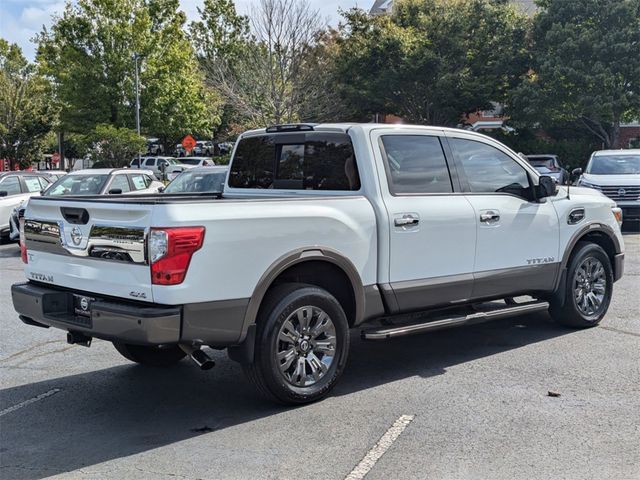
<point x="82" y="305"/>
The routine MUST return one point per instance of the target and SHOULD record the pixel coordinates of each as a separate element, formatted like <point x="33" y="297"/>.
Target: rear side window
<point x="296" y="161"/>
<point x="33" y="184"/>
<point x="415" y="164"/>
<point x="120" y="182"/>
<point x="140" y="182"/>
<point x="150" y="162"/>
<point x="11" y="185"/>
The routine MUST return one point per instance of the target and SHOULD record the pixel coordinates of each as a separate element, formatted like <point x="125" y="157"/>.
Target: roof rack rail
<point x="291" y="127"/>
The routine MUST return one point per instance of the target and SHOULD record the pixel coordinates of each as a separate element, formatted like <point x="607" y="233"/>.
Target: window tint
<point x="11" y="185"/>
<point x="489" y="170"/>
<point x="33" y="184"/>
<point x="416" y="164"/>
<point x="121" y="182"/>
<point x="150" y="162"/>
<point x="298" y="161"/>
<point x="135" y="162"/>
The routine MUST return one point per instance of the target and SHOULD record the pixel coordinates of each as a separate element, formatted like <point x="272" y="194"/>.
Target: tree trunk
<point x="596" y="128"/>
<point x="614" y="134"/>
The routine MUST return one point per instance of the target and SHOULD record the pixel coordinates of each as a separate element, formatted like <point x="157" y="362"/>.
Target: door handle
<point x="489" y="216"/>
<point x="406" y="220"/>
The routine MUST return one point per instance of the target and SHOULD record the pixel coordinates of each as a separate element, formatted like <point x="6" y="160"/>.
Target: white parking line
<point x="385" y="442"/>
<point x="42" y="396"/>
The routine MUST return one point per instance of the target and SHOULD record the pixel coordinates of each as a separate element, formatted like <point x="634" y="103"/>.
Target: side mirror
<point x="546" y="187"/>
<point x="115" y="191"/>
<point x="160" y="189"/>
<point x="4" y="193"/>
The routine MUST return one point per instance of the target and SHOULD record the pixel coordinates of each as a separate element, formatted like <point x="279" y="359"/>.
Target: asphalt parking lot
<point x="469" y="403"/>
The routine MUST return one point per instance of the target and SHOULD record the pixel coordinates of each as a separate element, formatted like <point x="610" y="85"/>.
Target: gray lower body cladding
<point x="210" y="323"/>
<point x="415" y="295"/>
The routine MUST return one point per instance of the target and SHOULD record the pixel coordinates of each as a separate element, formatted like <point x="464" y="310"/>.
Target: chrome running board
<point x="493" y="312"/>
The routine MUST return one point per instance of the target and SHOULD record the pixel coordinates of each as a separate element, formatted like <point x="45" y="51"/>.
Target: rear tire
<point x="150" y="356"/>
<point x="302" y="344"/>
<point x="588" y="288"/>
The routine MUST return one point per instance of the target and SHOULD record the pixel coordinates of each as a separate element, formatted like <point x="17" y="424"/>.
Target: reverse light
<point x="23" y="244"/>
<point x="170" y="251"/>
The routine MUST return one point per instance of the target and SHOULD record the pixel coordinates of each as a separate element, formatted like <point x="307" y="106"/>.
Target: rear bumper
<point x="216" y="323"/>
<point x="130" y="323"/>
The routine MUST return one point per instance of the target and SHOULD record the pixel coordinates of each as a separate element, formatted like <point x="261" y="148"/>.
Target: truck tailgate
<point x="96" y="247"/>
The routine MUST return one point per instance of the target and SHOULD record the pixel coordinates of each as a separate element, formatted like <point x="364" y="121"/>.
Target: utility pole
<point x="135" y="58"/>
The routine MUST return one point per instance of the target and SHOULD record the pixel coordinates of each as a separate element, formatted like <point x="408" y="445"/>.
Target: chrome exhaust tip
<point x="200" y="358"/>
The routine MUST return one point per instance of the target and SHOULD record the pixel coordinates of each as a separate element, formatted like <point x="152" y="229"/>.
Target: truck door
<point x="432" y="227"/>
<point x="517" y="237"/>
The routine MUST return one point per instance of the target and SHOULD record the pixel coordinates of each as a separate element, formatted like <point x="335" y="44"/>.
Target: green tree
<point x="26" y="115"/>
<point x="259" y="64"/>
<point x="431" y="61"/>
<point x="88" y="54"/>
<point x="114" y="146"/>
<point x="585" y="66"/>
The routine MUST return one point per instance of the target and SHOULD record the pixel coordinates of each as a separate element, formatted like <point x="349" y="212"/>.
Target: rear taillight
<point x="170" y="251"/>
<point x="23" y="245"/>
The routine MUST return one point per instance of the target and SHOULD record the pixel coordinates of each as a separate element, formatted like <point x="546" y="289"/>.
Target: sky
<point x="21" y="20"/>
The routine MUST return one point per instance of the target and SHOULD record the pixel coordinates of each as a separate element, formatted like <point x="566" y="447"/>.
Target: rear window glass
<point x="78" y="185"/>
<point x="295" y="161"/>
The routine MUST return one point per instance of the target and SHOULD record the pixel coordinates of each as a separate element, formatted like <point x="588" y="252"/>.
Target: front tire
<point x="302" y="344"/>
<point x="588" y="288"/>
<point x="151" y="356"/>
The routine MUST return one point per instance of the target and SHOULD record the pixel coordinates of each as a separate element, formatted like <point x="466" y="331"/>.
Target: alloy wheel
<point x="306" y="346"/>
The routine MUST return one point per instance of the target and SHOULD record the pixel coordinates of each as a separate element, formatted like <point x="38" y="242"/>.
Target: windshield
<point x="614" y="165"/>
<point x="198" y="182"/>
<point x="78" y="185"/>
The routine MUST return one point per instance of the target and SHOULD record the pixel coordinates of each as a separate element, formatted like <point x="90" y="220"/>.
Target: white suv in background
<point x="15" y="189"/>
<point x="158" y="165"/>
<point x="616" y="173"/>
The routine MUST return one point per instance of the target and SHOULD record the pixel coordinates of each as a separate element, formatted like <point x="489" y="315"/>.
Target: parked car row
<point x="205" y="148"/>
<point x="202" y="148"/>
<point x="17" y="187"/>
<point x="615" y="173"/>
<point x="169" y="167"/>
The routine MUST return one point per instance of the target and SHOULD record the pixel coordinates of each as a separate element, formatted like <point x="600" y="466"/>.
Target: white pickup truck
<point x="321" y="229"/>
